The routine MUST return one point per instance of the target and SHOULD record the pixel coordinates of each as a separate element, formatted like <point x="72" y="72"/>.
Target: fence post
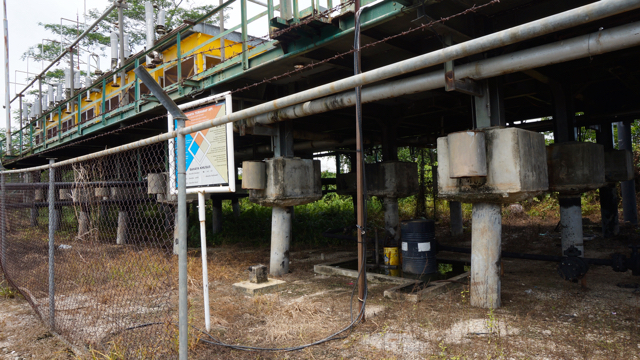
<point x="182" y="243"/>
<point x="52" y="220"/>
<point x="3" y="224"/>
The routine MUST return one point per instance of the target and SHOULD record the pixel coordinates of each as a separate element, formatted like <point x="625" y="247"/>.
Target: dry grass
<point x="542" y="316"/>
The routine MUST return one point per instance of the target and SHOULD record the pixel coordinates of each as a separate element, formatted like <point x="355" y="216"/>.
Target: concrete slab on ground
<point x="252" y="289"/>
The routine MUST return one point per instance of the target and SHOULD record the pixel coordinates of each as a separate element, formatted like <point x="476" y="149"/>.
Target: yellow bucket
<point x="392" y="257"/>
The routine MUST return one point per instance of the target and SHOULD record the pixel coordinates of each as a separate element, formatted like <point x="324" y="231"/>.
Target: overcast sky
<point x="24" y="15"/>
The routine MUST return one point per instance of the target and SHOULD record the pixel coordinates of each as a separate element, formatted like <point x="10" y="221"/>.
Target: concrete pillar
<point x="628" y="188"/>
<point x="176" y="231"/>
<point x="34" y="177"/>
<point x="83" y="221"/>
<point x="123" y="227"/>
<point x="216" y="215"/>
<point x="486" y="234"/>
<point x="281" y="217"/>
<point x="391" y="219"/>
<point x="571" y="223"/>
<point x="235" y="204"/>
<point x="609" y="210"/>
<point x="280" y="240"/>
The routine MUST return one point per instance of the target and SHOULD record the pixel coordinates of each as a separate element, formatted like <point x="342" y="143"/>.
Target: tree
<point x="98" y="40"/>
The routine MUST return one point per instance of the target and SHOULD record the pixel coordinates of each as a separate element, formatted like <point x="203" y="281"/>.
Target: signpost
<point x="210" y="157"/>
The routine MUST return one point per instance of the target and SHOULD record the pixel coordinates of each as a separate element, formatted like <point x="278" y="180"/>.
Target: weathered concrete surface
<point x="290" y="182"/>
<point x="258" y="274"/>
<point x="280" y="240"/>
<point x="516" y="169"/>
<point x="485" y="255"/>
<point x="252" y="289"/>
<point x="571" y="223"/>
<point x="390" y="178"/>
<point x="467" y="154"/>
<point x="575" y="167"/>
<point x="618" y="165"/>
<point x="391" y="218"/>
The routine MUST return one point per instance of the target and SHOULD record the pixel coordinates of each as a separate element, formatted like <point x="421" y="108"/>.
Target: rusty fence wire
<point x="114" y="270"/>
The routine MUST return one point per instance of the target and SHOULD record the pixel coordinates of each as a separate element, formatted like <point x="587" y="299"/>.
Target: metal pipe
<point x="151" y="36"/>
<point x="123" y="97"/>
<point x="486" y="233"/>
<point x="113" y="37"/>
<point x="606" y="41"/>
<point x="589" y="45"/>
<point x="221" y="21"/>
<point x="52" y="226"/>
<point x="7" y="86"/>
<point x="571" y="49"/>
<point x="73" y="43"/>
<point x="280" y="240"/>
<point x="183" y="308"/>
<point x="177" y="115"/>
<point x="203" y="246"/>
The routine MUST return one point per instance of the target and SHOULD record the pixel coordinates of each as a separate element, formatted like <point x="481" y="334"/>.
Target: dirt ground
<point x="542" y="316"/>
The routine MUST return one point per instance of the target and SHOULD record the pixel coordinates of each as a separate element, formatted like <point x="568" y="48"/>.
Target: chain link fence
<point x="113" y="279"/>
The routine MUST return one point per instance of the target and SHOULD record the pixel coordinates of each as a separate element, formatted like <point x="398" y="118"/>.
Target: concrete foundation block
<point x="575" y="167"/>
<point x="386" y="179"/>
<point x="102" y="192"/>
<point x="258" y="274"/>
<point x="252" y="289"/>
<point x="618" y="165"/>
<point x="290" y="182"/>
<point x="516" y="169"/>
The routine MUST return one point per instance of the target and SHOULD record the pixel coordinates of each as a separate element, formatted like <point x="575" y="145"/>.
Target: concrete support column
<point x="609" y="210"/>
<point x="123" y="227"/>
<point x="571" y="223"/>
<point x="83" y="221"/>
<point x="486" y="242"/>
<point x="628" y="188"/>
<point x="455" y="216"/>
<point x="176" y="231"/>
<point x="235" y="204"/>
<point x="34" y="177"/>
<point x="216" y="215"/>
<point x="280" y="240"/>
<point x="391" y="219"/>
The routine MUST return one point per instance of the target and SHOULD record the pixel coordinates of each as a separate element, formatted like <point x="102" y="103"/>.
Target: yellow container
<point x="392" y="257"/>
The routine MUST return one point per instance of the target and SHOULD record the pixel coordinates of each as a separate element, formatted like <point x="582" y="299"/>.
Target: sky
<point x="24" y="15"/>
